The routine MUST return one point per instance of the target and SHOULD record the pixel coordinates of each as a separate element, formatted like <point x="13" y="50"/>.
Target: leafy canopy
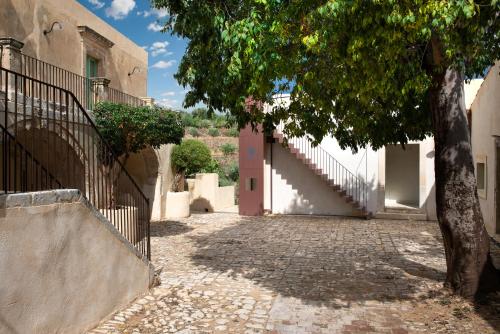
<point x="356" y="69"/>
<point x="130" y="129"/>
<point x="191" y="157"/>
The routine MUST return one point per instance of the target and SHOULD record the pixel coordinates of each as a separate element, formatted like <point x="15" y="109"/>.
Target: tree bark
<point x="466" y="241"/>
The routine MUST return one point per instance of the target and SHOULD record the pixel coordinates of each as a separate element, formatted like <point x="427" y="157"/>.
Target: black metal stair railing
<point x="48" y="141"/>
<point x="352" y="187"/>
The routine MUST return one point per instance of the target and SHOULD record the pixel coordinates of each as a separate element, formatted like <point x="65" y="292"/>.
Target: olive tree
<point x="368" y="72"/>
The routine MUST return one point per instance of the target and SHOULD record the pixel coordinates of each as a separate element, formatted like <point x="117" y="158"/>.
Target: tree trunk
<point x="466" y="241"/>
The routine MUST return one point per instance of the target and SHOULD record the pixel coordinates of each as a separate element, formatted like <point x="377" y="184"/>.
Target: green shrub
<point x="233" y="132"/>
<point x="189" y="120"/>
<point x="212" y="167"/>
<point x="233" y="171"/>
<point x="201" y="113"/>
<point x="224" y="181"/>
<point x="228" y="148"/>
<point x="194" y="132"/>
<point x="220" y="121"/>
<point x="213" y="132"/>
<point x="191" y="157"/>
<point x="205" y="123"/>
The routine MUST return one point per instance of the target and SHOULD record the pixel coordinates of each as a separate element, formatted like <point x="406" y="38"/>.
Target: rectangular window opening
<point x="250" y="184"/>
<point x="481" y="176"/>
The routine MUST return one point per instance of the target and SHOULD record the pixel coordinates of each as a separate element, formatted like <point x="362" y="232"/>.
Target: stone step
<point x="400" y="215"/>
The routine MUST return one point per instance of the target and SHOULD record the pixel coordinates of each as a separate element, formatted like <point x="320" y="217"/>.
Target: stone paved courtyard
<point x="290" y="274"/>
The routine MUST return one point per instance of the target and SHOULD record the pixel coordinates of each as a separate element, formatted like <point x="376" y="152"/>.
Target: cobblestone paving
<point x="288" y="274"/>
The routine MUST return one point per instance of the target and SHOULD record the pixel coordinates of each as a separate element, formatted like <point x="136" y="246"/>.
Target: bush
<point x="201" y="113"/>
<point x="233" y="132"/>
<point x="228" y="148"/>
<point x="205" y="123"/>
<point x="189" y="120"/>
<point x="194" y="132"/>
<point x="212" y="167"/>
<point x="233" y="171"/>
<point x="220" y="121"/>
<point x="213" y="132"/>
<point x="191" y="157"/>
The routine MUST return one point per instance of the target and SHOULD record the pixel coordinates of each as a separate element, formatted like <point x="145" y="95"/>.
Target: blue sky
<point x="139" y="22"/>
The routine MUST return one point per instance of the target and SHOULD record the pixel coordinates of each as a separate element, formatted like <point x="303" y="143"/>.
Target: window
<point x="91" y="67"/>
<point x="481" y="176"/>
<point x="250" y="184"/>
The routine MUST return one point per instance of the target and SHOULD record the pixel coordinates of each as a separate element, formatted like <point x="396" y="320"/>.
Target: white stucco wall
<point x="485" y="130"/>
<point x="402" y="173"/>
<point x="206" y="195"/>
<point x="297" y="190"/>
<point x="63" y="267"/>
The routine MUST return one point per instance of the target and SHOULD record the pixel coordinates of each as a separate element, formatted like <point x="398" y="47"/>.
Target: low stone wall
<point x="225" y="197"/>
<point x="63" y="266"/>
<point x="207" y="196"/>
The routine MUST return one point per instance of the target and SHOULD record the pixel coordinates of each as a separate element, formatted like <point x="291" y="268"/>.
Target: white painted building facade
<point x="398" y="182"/>
<point x="485" y="137"/>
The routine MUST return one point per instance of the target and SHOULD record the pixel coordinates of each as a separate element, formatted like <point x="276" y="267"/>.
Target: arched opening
<point x="39" y="159"/>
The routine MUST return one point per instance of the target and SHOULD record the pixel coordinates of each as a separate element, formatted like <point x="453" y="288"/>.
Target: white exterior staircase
<point x="338" y="177"/>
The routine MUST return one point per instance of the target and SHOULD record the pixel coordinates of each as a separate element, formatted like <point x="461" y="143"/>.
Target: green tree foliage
<point x="368" y="72"/>
<point x="191" y="157"/>
<point x="214" y="132"/>
<point x="189" y="121"/>
<point x="205" y="123"/>
<point x="367" y="56"/>
<point x="201" y="113"/>
<point x="233" y="171"/>
<point x="130" y="129"/>
<point x="228" y="148"/>
<point x="194" y="132"/>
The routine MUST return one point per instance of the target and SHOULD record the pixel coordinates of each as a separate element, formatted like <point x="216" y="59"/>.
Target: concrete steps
<point x="401" y="214"/>
<point x="357" y="207"/>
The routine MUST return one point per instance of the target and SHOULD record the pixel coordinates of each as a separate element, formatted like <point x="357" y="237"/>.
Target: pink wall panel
<point x="251" y="202"/>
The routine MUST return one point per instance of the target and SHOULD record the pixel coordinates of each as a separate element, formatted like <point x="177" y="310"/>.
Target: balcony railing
<point x="48" y="141"/>
<point x="84" y="89"/>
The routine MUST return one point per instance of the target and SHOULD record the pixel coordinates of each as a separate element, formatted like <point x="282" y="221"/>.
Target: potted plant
<point x="188" y="158"/>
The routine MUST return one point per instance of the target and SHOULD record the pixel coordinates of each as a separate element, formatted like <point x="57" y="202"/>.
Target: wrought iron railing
<point x="116" y="96"/>
<point x="50" y="142"/>
<point x="85" y="89"/>
<point x="337" y="174"/>
<point x="80" y="86"/>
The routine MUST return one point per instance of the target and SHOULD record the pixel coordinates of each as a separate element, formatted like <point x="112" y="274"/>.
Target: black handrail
<point x="335" y="171"/>
<point x="104" y="176"/>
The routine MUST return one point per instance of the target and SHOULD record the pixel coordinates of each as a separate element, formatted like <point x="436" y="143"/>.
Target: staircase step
<point x="400" y="215"/>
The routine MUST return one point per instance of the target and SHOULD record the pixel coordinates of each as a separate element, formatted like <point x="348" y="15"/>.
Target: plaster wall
<point x="64" y="267"/>
<point x="402" y="173"/>
<point x="152" y="171"/>
<point x="207" y="196"/>
<point x="485" y="112"/>
<point x="296" y="190"/>
<point x="25" y="21"/>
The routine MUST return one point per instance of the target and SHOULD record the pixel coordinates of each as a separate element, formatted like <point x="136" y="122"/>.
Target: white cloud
<point x="159" y="48"/>
<point x="159" y="13"/>
<point x="154" y="26"/>
<point x="119" y="9"/>
<point x="168" y="93"/>
<point x="169" y="103"/>
<point x="164" y="64"/>
<point x="97" y="4"/>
